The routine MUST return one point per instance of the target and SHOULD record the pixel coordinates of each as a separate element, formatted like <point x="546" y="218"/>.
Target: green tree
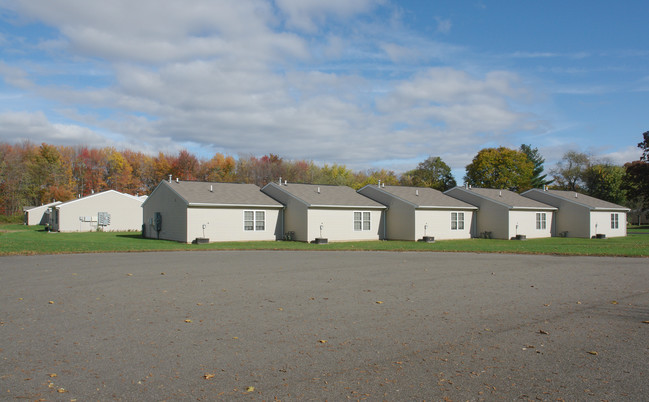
<point x="500" y="168"/>
<point x="644" y="145"/>
<point x="570" y="171"/>
<point x="432" y="172"/>
<point x="533" y="154"/>
<point x="606" y="182"/>
<point x="636" y="180"/>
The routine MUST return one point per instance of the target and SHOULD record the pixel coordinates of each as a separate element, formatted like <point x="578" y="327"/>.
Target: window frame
<point x="364" y="222"/>
<point x="457" y="221"/>
<point x="615" y="220"/>
<point x="541" y="221"/>
<point x="257" y="223"/>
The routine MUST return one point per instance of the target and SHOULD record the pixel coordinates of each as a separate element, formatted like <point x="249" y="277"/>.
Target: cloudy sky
<point x="365" y="83"/>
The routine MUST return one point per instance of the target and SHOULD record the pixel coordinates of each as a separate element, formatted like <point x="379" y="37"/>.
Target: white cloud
<point x="230" y="76"/>
<point x="35" y="127"/>
<point x="307" y="16"/>
<point x="443" y="25"/>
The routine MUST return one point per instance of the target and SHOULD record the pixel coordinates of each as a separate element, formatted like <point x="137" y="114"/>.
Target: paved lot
<point x="323" y="325"/>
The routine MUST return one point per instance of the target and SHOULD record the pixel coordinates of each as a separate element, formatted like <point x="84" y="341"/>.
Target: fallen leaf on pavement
<point x="592" y="352"/>
<point x="208" y="376"/>
<point x="322" y="341"/>
<point x="544" y="332"/>
<point x="188" y="320"/>
<point x="250" y="389"/>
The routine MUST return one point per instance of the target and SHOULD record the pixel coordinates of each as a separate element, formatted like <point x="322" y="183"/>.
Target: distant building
<point x="39" y="215"/>
<point x="504" y="214"/>
<point x="415" y="212"/>
<point x="335" y="213"/>
<point x="580" y="215"/>
<point x="109" y="210"/>
<point x="186" y="210"/>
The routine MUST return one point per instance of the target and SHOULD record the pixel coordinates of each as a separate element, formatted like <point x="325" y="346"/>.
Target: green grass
<point x="27" y="240"/>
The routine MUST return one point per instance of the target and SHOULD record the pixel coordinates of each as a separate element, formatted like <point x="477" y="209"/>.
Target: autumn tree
<point x="383" y="176"/>
<point x="185" y="166"/>
<point x="500" y="168"/>
<point x="219" y="169"/>
<point x="119" y="173"/>
<point x="538" y="178"/>
<point x="162" y="166"/>
<point x="432" y="172"/>
<point x="49" y="176"/>
<point x="570" y="171"/>
<point x="335" y="174"/>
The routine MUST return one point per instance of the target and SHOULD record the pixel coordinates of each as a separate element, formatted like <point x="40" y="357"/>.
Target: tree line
<point x="32" y="174"/>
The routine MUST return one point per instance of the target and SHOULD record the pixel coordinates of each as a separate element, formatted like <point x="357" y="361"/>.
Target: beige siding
<point x="601" y="224"/>
<point x="226" y="224"/>
<point x="174" y="215"/>
<point x="125" y="213"/>
<point x="399" y="216"/>
<point x="39" y="215"/>
<point x="338" y="224"/>
<point x="523" y="222"/>
<point x="439" y="224"/>
<point x="401" y="221"/>
<point x="574" y="219"/>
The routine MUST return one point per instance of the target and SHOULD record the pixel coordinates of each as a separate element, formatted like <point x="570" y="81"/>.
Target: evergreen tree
<point x="538" y="179"/>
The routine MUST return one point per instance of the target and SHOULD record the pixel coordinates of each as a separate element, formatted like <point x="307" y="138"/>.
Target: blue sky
<point x="369" y="83"/>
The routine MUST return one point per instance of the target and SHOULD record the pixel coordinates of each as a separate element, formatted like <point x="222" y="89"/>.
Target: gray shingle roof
<point x="197" y="192"/>
<point x="584" y="199"/>
<point x="509" y="198"/>
<point x="328" y="195"/>
<point x="428" y="197"/>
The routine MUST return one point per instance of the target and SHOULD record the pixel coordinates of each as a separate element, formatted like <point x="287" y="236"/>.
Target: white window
<point x="540" y="221"/>
<point x="361" y="221"/>
<point x="254" y="220"/>
<point x="457" y="220"/>
<point x="615" y="224"/>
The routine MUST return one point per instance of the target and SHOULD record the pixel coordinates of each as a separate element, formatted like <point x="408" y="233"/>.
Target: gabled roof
<point x="199" y="193"/>
<point x="27" y="208"/>
<point x="582" y="199"/>
<point x="507" y="198"/>
<point x="424" y="197"/>
<point x="318" y="195"/>
<point x="95" y="195"/>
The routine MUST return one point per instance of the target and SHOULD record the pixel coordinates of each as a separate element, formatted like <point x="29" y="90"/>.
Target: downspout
<point x="282" y="233"/>
<point x="385" y="222"/>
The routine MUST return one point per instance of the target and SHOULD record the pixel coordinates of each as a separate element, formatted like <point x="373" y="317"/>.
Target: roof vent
<point x="575" y="195"/>
<point x="500" y="193"/>
<point x="286" y="182"/>
<point x="379" y="183"/>
<point x="383" y="185"/>
<point x="280" y="180"/>
<point x="211" y="189"/>
<point x="318" y="189"/>
<point x="176" y="180"/>
<point x="417" y="192"/>
<point x="169" y="178"/>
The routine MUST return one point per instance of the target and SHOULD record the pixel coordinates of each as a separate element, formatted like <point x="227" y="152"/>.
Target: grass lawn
<point x="26" y="240"/>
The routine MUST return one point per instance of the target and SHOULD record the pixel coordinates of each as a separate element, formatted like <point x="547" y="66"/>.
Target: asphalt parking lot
<point x="266" y="325"/>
